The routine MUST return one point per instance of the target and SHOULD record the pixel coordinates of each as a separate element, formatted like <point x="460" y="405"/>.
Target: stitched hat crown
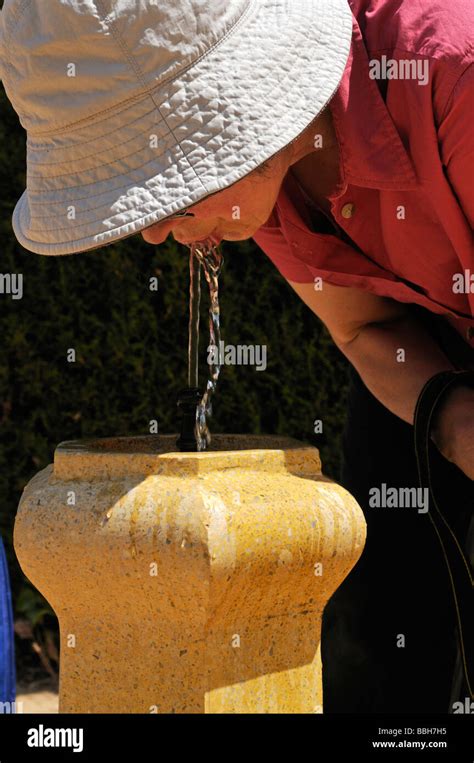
<point x="65" y="60"/>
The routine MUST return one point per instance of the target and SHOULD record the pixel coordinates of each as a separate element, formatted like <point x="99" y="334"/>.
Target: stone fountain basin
<point x="158" y="454"/>
<point x="188" y="582"/>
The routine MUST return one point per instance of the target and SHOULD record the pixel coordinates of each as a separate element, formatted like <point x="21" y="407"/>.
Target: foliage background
<point x="131" y="352"/>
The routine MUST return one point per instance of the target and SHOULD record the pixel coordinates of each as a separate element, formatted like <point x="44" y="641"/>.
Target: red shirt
<point x="406" y="197"/>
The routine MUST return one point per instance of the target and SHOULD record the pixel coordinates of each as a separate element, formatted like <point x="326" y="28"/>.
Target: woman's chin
<point x="240" y="235"/>
<point x="235" y="236"/>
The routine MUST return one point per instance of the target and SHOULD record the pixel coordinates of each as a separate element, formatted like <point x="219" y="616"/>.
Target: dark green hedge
<point x="131" y="347"/>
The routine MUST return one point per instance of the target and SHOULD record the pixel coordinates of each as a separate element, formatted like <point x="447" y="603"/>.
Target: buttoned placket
<point x="342" y="212"/>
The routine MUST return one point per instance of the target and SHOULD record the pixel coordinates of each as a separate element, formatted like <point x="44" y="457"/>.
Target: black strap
<point x="458" y="565"/>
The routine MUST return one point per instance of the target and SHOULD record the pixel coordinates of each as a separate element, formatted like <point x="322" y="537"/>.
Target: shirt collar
<point x="371" y="150"/>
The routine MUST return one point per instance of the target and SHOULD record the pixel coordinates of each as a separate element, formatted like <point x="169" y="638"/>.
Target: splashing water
<point x="208" y="256"/>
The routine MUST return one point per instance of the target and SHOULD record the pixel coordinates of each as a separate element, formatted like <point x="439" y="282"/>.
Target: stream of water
<point x="208" y="257"/>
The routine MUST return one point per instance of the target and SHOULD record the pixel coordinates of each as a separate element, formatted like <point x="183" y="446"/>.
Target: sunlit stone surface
<point x="188" y="582"/>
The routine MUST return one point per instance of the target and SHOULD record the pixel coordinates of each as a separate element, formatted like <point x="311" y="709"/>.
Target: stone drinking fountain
<point x="190" y="578"/>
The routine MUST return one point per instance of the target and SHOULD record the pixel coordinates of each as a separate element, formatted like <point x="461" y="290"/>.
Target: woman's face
<point x="233" y="214"/>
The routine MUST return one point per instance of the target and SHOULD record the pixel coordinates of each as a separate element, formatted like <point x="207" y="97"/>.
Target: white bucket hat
<point x="137" y="109"/>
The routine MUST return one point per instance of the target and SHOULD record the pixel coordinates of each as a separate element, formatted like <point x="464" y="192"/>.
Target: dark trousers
<point x="389" y="632"/>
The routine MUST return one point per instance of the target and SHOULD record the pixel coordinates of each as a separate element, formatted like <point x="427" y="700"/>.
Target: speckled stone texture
<point x="188" y="582"/>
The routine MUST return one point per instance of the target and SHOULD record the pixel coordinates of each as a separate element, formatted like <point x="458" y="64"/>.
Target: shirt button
<point x="348" y="210"/>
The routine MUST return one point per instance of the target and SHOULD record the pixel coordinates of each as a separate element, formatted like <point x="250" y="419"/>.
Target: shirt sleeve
<point x="456" y="140"/>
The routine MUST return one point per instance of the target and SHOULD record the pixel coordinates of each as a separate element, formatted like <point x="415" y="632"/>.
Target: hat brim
<point x="153" y="155"/>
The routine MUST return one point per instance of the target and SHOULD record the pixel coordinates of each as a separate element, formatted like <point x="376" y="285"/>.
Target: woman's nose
<point x="157" y="233"/>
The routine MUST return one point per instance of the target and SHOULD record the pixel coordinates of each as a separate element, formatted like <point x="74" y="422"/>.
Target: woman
<point x="338" y="137"/>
